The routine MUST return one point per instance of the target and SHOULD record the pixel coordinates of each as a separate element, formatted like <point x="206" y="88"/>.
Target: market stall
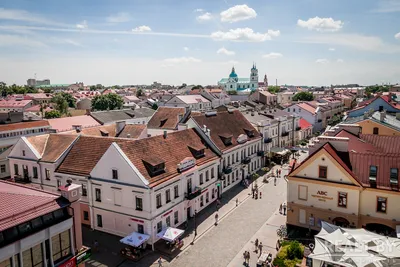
<point x="136" y="246"/>
<point x="170" y="240"/>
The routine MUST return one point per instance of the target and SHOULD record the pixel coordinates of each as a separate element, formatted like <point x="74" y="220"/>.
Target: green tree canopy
<point x="154" y="106"/>
<point x="273" y="89"/>
<point x="197" y="87"/>
<point x="60" y="103"/>
<point x="70" y="99"/>
<point x="48" y="90"/>
<point x="303" y="96"/>
<point x="93" y="88"/>
<point x="52" y="114"/>
<point x="139" y="92"/>
<point x="107" y="102"/>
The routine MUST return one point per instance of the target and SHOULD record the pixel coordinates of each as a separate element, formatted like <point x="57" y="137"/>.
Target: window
<point x="176" y="191"/>
<point x="213" y="193"/>
<point x="381" y="205"/>
<point x="394" y="176"/>
<point x="47" y="171"/>
<point x="237" y="175"/>
<point x="376" y="130"/>
<point x="373" y="170"/>
<point x="233" y="177"/>
<point x="201" y="179"/>
<point x="323" y="171"/>
<point x="158" y="201"/>
<point x="207" y="176"/>
<point x="167" y="196"/>
<point x="33" y="257"/>
<point x="201" y="201"/>
<point x="85" y="215"/>
<point x="233" y="158"/>
<point x="16" y="170"/>
<point x="35" y="172"/>
<point x="115" y="174"/>
<point x="303" y="192"/>
<point x="176" y="217"/>
<point x="207" y="194"/>
<point x="99" y="220"/>
<point x="3" y="168"/>
<point x="61" y="246"/>
<point x="84" y="190"/>
<point x="58" y="185"/>
<point x="168" y="221"/>
<point x="140" y="228"/>
<point x="342" y="199"/>
<point x="212" y="173"/>
<point x="117" y="197"/>
<point x="98" y="194"/>
<point x="159" y="226"/>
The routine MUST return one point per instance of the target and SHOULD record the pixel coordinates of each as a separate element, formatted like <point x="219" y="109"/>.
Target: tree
<point x="93" y="88"/>
<point x="3" y="88"/>
<point x="48" y="90"/>
<point x="114" y="101"/>
<point x="107" y="102"/>
<point x="31" y="89"/>
<point x="303" y="96"/>
<point x="273" y="89"/>
<point x="232" y="92"/>
<point x="70" y="99"/>
<point x="154" y="106"/>
<point x="100" y="102"/>
<point x="60" y="103"/>
<point x="197" y="87"/>
<point x="52" y="114"/>
<point x="139" y="93"/>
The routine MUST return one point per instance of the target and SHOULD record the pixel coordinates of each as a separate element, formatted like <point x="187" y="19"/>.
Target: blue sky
<point x="310" y="42"/>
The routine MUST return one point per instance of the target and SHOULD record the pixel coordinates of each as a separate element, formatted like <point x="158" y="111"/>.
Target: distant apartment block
<point x="34" y="82"/>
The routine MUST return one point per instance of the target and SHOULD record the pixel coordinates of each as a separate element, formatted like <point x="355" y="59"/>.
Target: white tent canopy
<point x="354" y="248"/>
<point x="135" y="239"/>
<point x="170" y="234"/>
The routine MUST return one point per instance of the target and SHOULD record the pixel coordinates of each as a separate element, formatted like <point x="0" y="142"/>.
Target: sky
<point x="301" y="42"/>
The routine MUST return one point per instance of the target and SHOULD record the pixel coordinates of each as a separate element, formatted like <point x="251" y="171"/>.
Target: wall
<point x="369" y="203"/>
<point x="368" y="125"/>
<point x="374" y="105"/>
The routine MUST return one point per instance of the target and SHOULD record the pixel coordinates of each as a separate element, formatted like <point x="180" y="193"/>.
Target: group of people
<point x="258" y="249"/>
<point x="255" y="192"/>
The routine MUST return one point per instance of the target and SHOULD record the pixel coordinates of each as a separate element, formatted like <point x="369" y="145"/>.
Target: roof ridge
<point x="31" y="188"/>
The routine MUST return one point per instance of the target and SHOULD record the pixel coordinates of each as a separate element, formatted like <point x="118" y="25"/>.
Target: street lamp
<point x="195" y="225"/>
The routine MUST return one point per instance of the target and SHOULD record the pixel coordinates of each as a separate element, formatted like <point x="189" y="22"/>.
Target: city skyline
<point x="198" y="42"/>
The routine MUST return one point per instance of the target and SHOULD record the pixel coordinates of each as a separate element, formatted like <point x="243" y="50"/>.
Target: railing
<point x="260" y="153"/>
<point x="246" y="160"/>
<point x="285" y="133"/>
<point x="194" y="194"/>
<point x="267" y="140"/>
<point x="227" y="170"/>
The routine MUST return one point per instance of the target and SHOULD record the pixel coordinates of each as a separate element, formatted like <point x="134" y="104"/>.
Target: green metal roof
<point x="240" y="80"/>
<point x="52" y="85"/>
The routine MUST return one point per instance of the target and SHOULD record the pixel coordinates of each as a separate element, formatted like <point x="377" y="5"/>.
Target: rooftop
<point x="23" y="125"/>
<point x="14" y="103"/>
<point x="389" y="120"/>
<point x="193" y="99"/>
<point x="304" y="124"/>
<point x="51" y="146"/>
<point x="166" y="118"/>
<point x="68" y="123"/>
<point x="132" y="131"/>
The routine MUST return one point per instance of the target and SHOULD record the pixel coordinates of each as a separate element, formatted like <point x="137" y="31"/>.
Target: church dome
<point x="233" y="73"/>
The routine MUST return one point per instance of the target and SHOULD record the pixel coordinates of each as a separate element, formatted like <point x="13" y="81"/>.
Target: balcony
<point x="298" y="128"/>
<point x="194" y="194"/>
<point x="260" y="153"/>
<point x="227" y="170"/>
<point x="246" y="160"/>
<point x="267" y="140"/>
<point x="285" y="134"/>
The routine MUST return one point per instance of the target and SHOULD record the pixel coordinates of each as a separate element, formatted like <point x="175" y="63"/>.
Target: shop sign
<point x="166" y="214"/>
<point x="136" y="220"/>
<point x="81" y="257"/>
<point x="186" y="164"/>
<point x="70" y="263"/>
<point x="322" y="196"/>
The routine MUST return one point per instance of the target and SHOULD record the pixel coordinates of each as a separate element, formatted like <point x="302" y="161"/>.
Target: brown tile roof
<point x="166" y="118"/>
<point x="96" y="131"/>
<point x="51" y="146"/>
<point x="23" y="125"/>
<point x="226" y="124"/>
<point x="19" y="204"/>
<point x="85" y="154"/>
<point x="134" y="130"/>
<point x="171" y="150"/>
<point x="388" y="144"/>
<point x="307" y="107"/>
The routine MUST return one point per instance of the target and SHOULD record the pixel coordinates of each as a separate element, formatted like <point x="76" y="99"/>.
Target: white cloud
<point x="204" y="17"/>
<point x="15" y="40"/>
<point x="186" y="48"/>
<point x="199" y="10"/>
<point x="243" y="35"/>
<point x="322" y="61"/>
<point x="182" y="60"/>
<point x="238" y="13"/>
<point x="142" y="28"/>
<point x="397" y="36"/>
<point x="230" y="62"/>
<point x="273" y="55"/>
<point x="387" y="6"/>
<point x="340" y="60"/>
<point x="82" y="25"/>
<point x="225" y="51"/>
<point x="332" y="49"/>
<point x="22" y="15"/>
<point x="356" y="41"/>
<point x="119" y="17"/>
<point x="273" y="33"/>
<point x="321" y="24"/>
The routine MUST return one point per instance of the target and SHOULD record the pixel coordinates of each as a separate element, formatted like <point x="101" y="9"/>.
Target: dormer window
<point x="104" y="133"/>
<point x="154" y="166"/>
<point x="394" y="176"/>
<point x="163" y="121"/>
<point x="226" y="139"/>
<point x="249" y="132"/>
<point x="373" y="170"/>
<point x="197" y="151"/>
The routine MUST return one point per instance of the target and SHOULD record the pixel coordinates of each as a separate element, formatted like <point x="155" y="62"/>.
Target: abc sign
<point x="322" y="193"/>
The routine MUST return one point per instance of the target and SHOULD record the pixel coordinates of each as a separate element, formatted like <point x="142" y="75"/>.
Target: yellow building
<point x="350" y="180"/>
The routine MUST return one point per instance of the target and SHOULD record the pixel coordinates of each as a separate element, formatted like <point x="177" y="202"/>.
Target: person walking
<point x="279" y="173"/>
<point x="284" y="208"/>
<point x="256" y="244"/>
<point x="274" y="181"/>
<point x="216" y="219"/>
<point x="245" y="257"/>
<point x="248" y="258"/>
<point x="260" y="247"/>
<point x="280" y="208"/>
<point x="237" y="202"/>
<point x="159" y="262"/>
<point x="260" y="194"/>
<point x="96" y="246"/>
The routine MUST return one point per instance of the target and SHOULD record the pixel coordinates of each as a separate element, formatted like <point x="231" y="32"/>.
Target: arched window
<point x="376" y="130"/>
<point x="231" y="85"/>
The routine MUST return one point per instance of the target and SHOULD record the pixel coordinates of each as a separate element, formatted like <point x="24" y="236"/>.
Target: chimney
<point x="128" y="136"/>
<point x="382" y="115"/>
<point x="165" y="134"/>
<point x="208" y="133"/>
<point x="120" y="125"/>
<point x="366" y="114"/>
<point x="204" y="129"/>
<point x="398" y="116"/>
<point x="78" y="128"/>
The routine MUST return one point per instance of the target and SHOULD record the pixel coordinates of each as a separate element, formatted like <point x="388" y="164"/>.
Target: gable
<point x="115" y="158"/>
<point x="175" y="100"/>
<point x="23" y="145"/>
<point x="335" y="172"/>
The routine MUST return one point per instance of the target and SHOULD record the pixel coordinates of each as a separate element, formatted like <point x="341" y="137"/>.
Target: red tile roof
<point x="304" y="124"/>
<point x="226" y="124"/>
<point x="23" y="125"/>
<point x="51" y="146"/>
<point x="19" y="204"/>
<point x="166" y="118"/>
<point x="67" y="123"/>
<point x="133" y="130"/>
<point x="14" y="103"/>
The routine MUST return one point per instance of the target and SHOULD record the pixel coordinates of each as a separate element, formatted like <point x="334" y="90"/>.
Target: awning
<point x="170" y="234"/>
<point x="135" y="239"/>
<point x="279" y="150"/>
